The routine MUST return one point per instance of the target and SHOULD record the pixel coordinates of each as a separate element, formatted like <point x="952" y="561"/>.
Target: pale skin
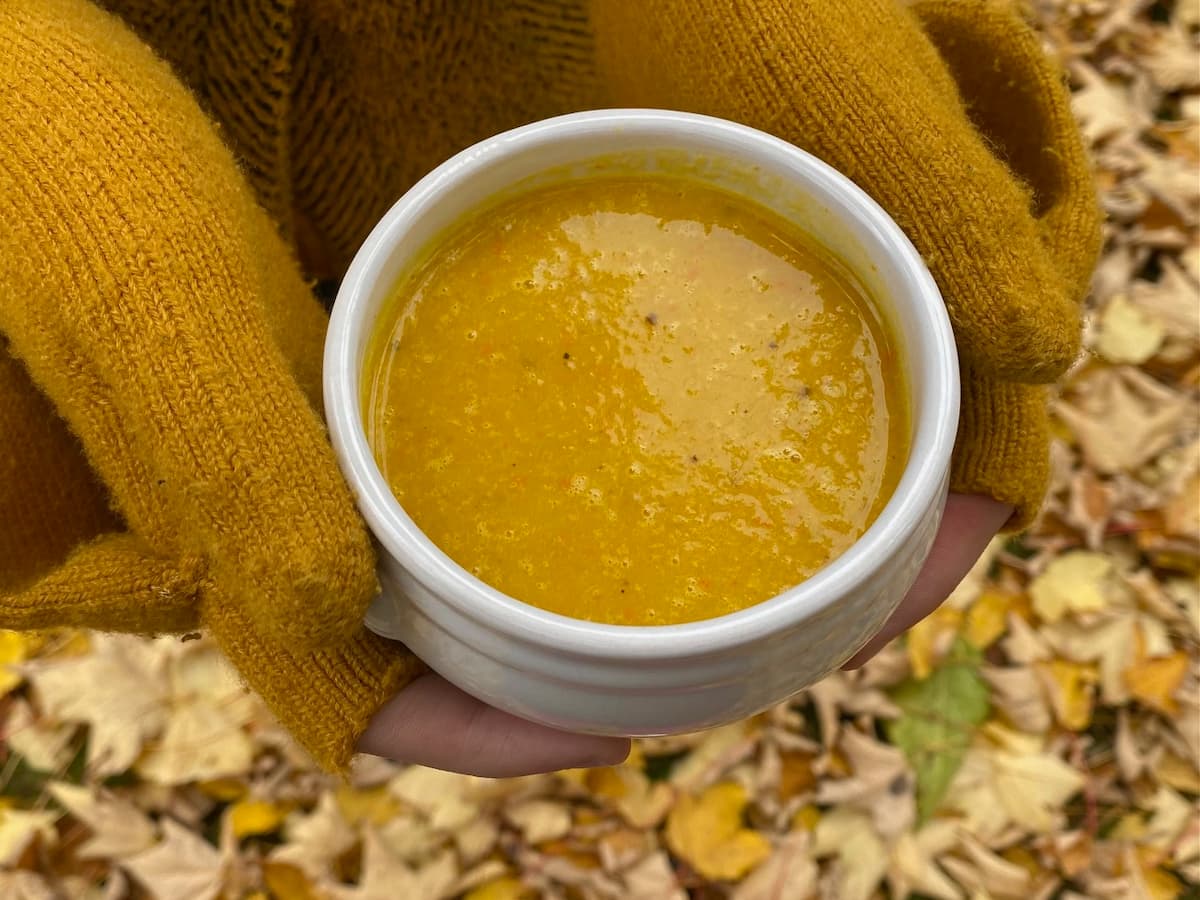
<point x="433" y="723"/>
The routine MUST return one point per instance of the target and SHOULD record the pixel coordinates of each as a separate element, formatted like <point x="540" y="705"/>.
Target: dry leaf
<point x="201" y="741"/>
<point x="1008" y="778"/>
<point x="119" y="829"/>
<point x="182" y="866"/>
<point x="707" y="833"/>
<point x="862" y="858"/>
<point x="1069" y="685"/>
<point x="19" y="828"/>
<point x="315" y="841"/>
<point x="118" y="690"/>
<point x="42" y="744"/>
<point x="442" y="796"/>
<point x="1127" y="334"/>
<point x="652" y="879"/>
<point x="1074" y="582"/>
<point x="790" y="873"/>
<point x="249" y="817"/>
<point x="1155" y="681"/>
<point x="540" y="820"/>
<point x="1129" y="418"/>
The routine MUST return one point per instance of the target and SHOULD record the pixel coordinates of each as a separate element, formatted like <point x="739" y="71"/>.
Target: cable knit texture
<point x="173" y="171"/>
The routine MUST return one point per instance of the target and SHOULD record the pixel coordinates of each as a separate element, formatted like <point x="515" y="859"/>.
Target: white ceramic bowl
<point x="627" y="680"/>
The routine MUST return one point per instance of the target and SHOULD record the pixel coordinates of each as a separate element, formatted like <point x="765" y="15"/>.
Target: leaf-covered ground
<point x="1036" y="738"/>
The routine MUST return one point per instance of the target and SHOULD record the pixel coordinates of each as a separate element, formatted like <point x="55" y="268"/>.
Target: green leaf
<point x="939" y="717"/>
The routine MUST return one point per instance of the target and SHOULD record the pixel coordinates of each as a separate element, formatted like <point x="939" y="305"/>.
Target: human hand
<point x="433" y="723"/>
<point x="968" y="525"/>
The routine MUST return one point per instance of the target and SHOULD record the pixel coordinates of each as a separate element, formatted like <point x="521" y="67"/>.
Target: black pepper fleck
<point x="566" y="356"/>
<point x="652" y="318"/>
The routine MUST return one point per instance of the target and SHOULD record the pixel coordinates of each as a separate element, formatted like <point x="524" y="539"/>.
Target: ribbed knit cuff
<point x="324" y="698"/>
<point x="1002" y="449"/>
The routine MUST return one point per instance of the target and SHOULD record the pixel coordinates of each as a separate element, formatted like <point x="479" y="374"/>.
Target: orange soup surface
<point x="636" y="400"/>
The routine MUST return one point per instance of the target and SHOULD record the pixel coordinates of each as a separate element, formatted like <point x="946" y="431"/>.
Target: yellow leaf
<point x="1073" y="582"/>
<point x="608" y="783"/>
<point x="249" y="817"/>
<point x="1127" y="334"/>
<point x="987" y="619"/>
<point x="806" y="817"/>
<point x="229" y="790"/>
<point x="1130" y="827"/>
<point x="14" y="648"/>
<point x="928" y="640"/>
<point x="501" y="889"/>
<point x="1069" y="686"/>
<point x="374" y="806"/>
<point x="1161" y="884"/>
<point x="1178" y="773"/>
<point x="707" y="832"/>
<point x="795" y="773"/>
<point x="1154" y="681"/>
<point x="19" y="828"/>
<point x="286" y="882"/>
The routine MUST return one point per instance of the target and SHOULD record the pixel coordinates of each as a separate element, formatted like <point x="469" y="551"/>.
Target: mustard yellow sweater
<point x="175" y="174"/>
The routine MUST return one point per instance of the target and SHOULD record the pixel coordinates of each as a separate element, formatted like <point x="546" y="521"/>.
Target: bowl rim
<point x="935" y="411"/>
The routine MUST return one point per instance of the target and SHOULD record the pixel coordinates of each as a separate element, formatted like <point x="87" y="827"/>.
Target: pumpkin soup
<point x="636" y="400"/>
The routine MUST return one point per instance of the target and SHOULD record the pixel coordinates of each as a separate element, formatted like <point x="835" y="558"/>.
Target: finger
<point x="433" y="723"/>
<point x="969" y="523"/>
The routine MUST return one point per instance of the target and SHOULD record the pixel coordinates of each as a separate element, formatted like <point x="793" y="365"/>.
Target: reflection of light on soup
<point x="638" y="401"/>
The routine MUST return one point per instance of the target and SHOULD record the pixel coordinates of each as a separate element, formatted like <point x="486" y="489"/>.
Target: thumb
<point x="433" y="723"/>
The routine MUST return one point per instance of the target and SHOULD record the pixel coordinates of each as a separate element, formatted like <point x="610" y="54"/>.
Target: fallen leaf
<point x="182" y="866"/>
<point x="862" y="858"/>
<point x="441" y="796"/>
<point x="1129" y="418"/>
<point x="1075" y="582"/>
<point x="987" y="619"/>
<point x="1008" y="778"/>
<point x="707" y="833"/>
<point x="201" y="741"/>
<point x="1126" y="333"/>
<point x="118" y="690"/>
<point x="250" y="817"/>
<point x="913" y="863"/>
<point x="500" y="889"/>
<point x="119" y="829"/>
<point x="19" y="828"/>
<point x="14" y="649"/>
<point x="938" y="721"/>
<point x="1155" y="681"/>
<point x="540" y="820"/>
<point x="652" y="879"/>
<point x="26" y="886"/>
<point x="314" y="841"/>
<point x="1017" y="694"/>
<point x="790" y="873"/>
<point x="43" y="745"/>
<point x="1069" y="685"/>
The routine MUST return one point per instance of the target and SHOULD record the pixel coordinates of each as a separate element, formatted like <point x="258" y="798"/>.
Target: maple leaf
<point x="118" y="690"/>
<point x="790" y="873"/>
<point x="540" y="820"/>
<point x="183" y="866"/>
<point x="19" y="828"/>
<point x="314" y="841"/>
<point x="653" y="879"/>
<point x="862" y="858"/>
<point x="1149" y="415"/>
<point x="386" y="877"/>
<point x="707" y="833"/>
<point x="201" y="741"/>
<point x="1127" y="333"/>
<point x="1008" y="778"/>
<point x="938" y="719"/>
<point x="119" y="829"/>
<point x="42" y="744"/>
<point x="1074" y="582"/>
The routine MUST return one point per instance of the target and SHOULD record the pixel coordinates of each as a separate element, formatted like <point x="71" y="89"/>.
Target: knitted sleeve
<point x="153" y="305"/>
<point x="957" y="124"/>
